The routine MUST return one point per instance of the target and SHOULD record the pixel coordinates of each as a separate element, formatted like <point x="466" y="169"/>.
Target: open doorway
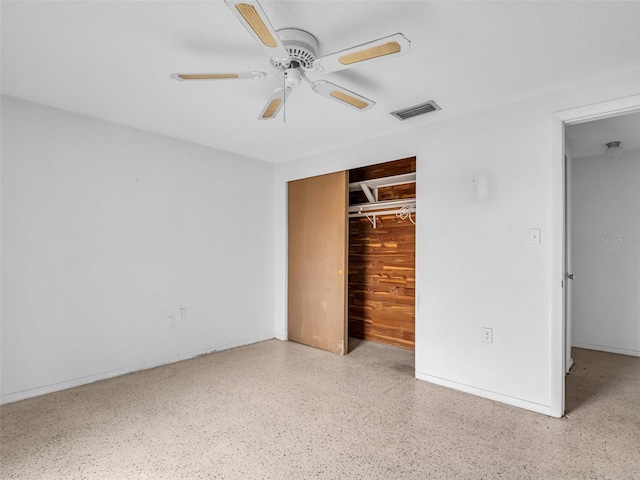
<point x="602" y="256"/>
<point x="559" y="340"/>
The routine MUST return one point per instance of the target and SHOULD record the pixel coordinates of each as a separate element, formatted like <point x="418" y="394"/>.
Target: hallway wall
<point x="606" y="253"/>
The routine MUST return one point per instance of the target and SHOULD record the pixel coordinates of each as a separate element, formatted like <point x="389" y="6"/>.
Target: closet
<point x="351" y="257"/>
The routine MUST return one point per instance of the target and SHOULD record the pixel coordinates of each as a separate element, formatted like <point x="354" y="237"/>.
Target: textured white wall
<point x="606" y="253"/>
<point x="475" y="267"/>
<point x="106" y="231"/>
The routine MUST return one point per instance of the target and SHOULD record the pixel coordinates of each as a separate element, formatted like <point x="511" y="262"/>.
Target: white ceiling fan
<point x="294" y="52"/>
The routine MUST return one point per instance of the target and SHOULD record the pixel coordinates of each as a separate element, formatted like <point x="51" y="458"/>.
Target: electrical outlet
<point x="183" y="313"/>
<point x="487" y="335"/>
<point x="171" y="321"/>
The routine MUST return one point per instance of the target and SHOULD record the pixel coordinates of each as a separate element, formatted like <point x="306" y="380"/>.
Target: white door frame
<point x="568" y="286"/>
<point x="558" y="321"/>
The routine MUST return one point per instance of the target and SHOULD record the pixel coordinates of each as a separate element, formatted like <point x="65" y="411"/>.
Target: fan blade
<point x="393" y="45"/>
<point x="273" y="106"/>
<point x="217" y="76"/>
<point x="252" y="16"/>
<point x="342" y="95"/>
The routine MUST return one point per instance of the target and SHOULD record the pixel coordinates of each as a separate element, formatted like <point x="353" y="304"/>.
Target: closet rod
<point x="381" y="205"/>
<point x="377" y="213"/>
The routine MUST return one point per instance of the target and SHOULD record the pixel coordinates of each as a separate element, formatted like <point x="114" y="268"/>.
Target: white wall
<point x="475" y="266"/>
<point x="106" y="231"/>
<point x="606" y="253"/>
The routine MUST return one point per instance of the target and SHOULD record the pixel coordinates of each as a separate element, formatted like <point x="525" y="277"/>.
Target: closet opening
<point x="381" y="253"/>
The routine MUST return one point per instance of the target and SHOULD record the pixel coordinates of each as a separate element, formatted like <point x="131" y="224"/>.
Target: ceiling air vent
<point x="416" y="110"/>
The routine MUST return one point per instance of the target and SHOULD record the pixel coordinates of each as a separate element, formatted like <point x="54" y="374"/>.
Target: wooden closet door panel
<point x="317" y="296"/>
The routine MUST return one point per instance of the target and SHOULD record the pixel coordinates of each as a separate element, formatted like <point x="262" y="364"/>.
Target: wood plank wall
<point x="382" y="265"/>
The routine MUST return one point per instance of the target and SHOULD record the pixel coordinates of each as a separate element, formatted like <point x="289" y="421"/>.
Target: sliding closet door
<point x="317" y="299"/>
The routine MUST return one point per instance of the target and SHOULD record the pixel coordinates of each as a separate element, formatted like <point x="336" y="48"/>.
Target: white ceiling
<point x="112" y="60"/>
<point x="591" y="138"/>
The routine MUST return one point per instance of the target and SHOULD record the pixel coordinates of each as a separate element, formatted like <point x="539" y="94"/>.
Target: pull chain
<point x="284" y="102"/>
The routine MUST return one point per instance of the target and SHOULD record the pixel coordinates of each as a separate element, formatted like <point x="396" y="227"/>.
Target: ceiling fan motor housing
<point x="302" y="48"/>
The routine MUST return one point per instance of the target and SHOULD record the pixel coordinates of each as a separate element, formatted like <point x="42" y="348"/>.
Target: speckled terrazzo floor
<point x="279" y="410"/>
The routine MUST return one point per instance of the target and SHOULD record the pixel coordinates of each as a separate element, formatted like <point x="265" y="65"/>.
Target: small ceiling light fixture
<point x="614" y="150"/>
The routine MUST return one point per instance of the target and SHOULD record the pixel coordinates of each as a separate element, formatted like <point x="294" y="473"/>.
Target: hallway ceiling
<point x="112" y="60"/>
<point x="591" y="138"/>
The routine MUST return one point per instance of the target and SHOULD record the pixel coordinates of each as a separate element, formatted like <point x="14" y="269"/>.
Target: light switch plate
<point x="534" y="236"/>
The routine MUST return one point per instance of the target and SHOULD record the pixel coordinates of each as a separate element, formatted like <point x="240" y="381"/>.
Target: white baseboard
<point x="76" y="382"/>
<point x="605" y="348"/>
<point x="498" y="397"/>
